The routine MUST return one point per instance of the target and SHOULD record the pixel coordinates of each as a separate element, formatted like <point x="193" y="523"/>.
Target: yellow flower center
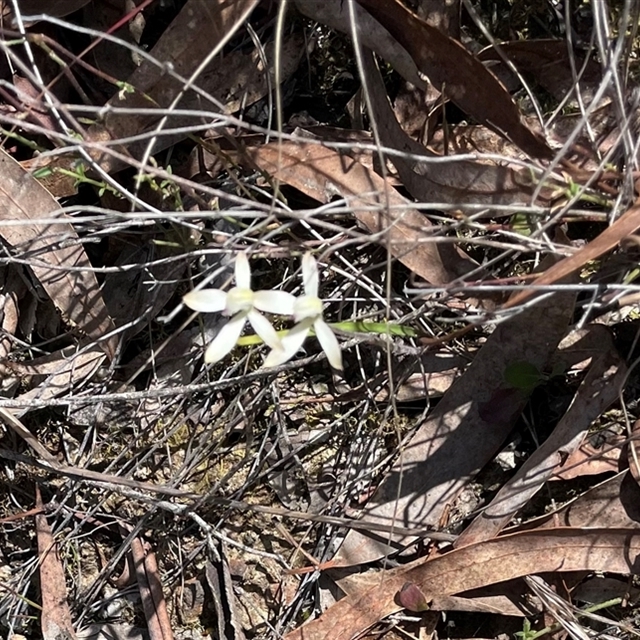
<point x="239" y="300"/>
<point x="307" y="307"/>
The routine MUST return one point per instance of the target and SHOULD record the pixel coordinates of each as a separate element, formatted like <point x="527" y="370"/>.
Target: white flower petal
<point x="279" y="302"/>
<point x="329" y="343"/>
<point x="310" y="275"/>
<point x="264" y="329"/>
<point x="276" y="357"/>
<point x="243" y="271"/>
<point x="226" y="339"/>
<point x="207" y="300"/>
<point x="291" y="343"/>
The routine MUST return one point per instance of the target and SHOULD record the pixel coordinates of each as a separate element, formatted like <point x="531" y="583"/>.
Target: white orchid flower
<point x="242" y="304"/>
<point x="307" y="312"/>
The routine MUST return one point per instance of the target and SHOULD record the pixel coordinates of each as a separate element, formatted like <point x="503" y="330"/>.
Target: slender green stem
<point x="351" y="326"/>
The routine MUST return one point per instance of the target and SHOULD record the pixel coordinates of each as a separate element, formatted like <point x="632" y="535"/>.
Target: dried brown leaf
<point x="549" y="62"/>
<point x="444" y="16"/>
<point x="474" y="566"/>
<point x="57" y="8"/>
<point x="225" y="602"/>
<point x="623" y="227"/>
<point x="455" y="182"/>
<point x="12" y="421"/>
<point x="53" y="251"/>
<point x="150" y="275"/>
<point x="56" y="617"/>
<point x="183" y="47"/>
<point x="506" y="598"/>
<point x="588" y="460"/>
<point x="633" y="452"/>
<point x="613" y="503"/>
<point x="64" y="370"/>
<point x="323" y="174"/>
<point x="335" y="14"/>
<point x="463" y="432"/>
<point x="113" y="57"/>
<point x="237" y="79"/>
<point x="599" y="389"/>
<point x="466" y="81"/>
<point x="600" y="589"/>
<point x="150" y="586"/>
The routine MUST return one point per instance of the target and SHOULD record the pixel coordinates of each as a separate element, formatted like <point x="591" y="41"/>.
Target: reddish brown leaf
<point x="410" y="597"/>
<point x="474" y="566"/>
<point x="323" y="174"/>
<point x="53" y="251"/>
<point x="466" y="81"/>
<point x="150" y="587"/>
<point x="56" y="617"/>
<point x="623" y="227"/>
<point x="455" y="182"/>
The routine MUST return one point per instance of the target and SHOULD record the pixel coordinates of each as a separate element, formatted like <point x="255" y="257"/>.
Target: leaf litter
<point x="248" y="150"/>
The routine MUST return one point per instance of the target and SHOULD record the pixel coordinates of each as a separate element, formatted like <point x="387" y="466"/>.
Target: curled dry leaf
<point x="454" y="182"/>
<point x="466" y="81"/>
<point x="323" y="174"/>
<point x="477" y="565"/>
<point x="53" y="251"/>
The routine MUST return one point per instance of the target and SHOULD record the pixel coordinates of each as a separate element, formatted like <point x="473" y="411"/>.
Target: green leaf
<point x="522" y="375"/>
<point x="521" y="223"/>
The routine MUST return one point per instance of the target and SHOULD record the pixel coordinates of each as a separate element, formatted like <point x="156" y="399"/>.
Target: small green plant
<point x="527" y="632"/>
<point x="168" y="189"/>
<point x="78" y="173"/>
<point x="124" y="89"/>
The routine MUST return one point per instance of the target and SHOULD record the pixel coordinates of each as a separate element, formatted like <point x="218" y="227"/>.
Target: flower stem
<point x="351" y="326"/>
